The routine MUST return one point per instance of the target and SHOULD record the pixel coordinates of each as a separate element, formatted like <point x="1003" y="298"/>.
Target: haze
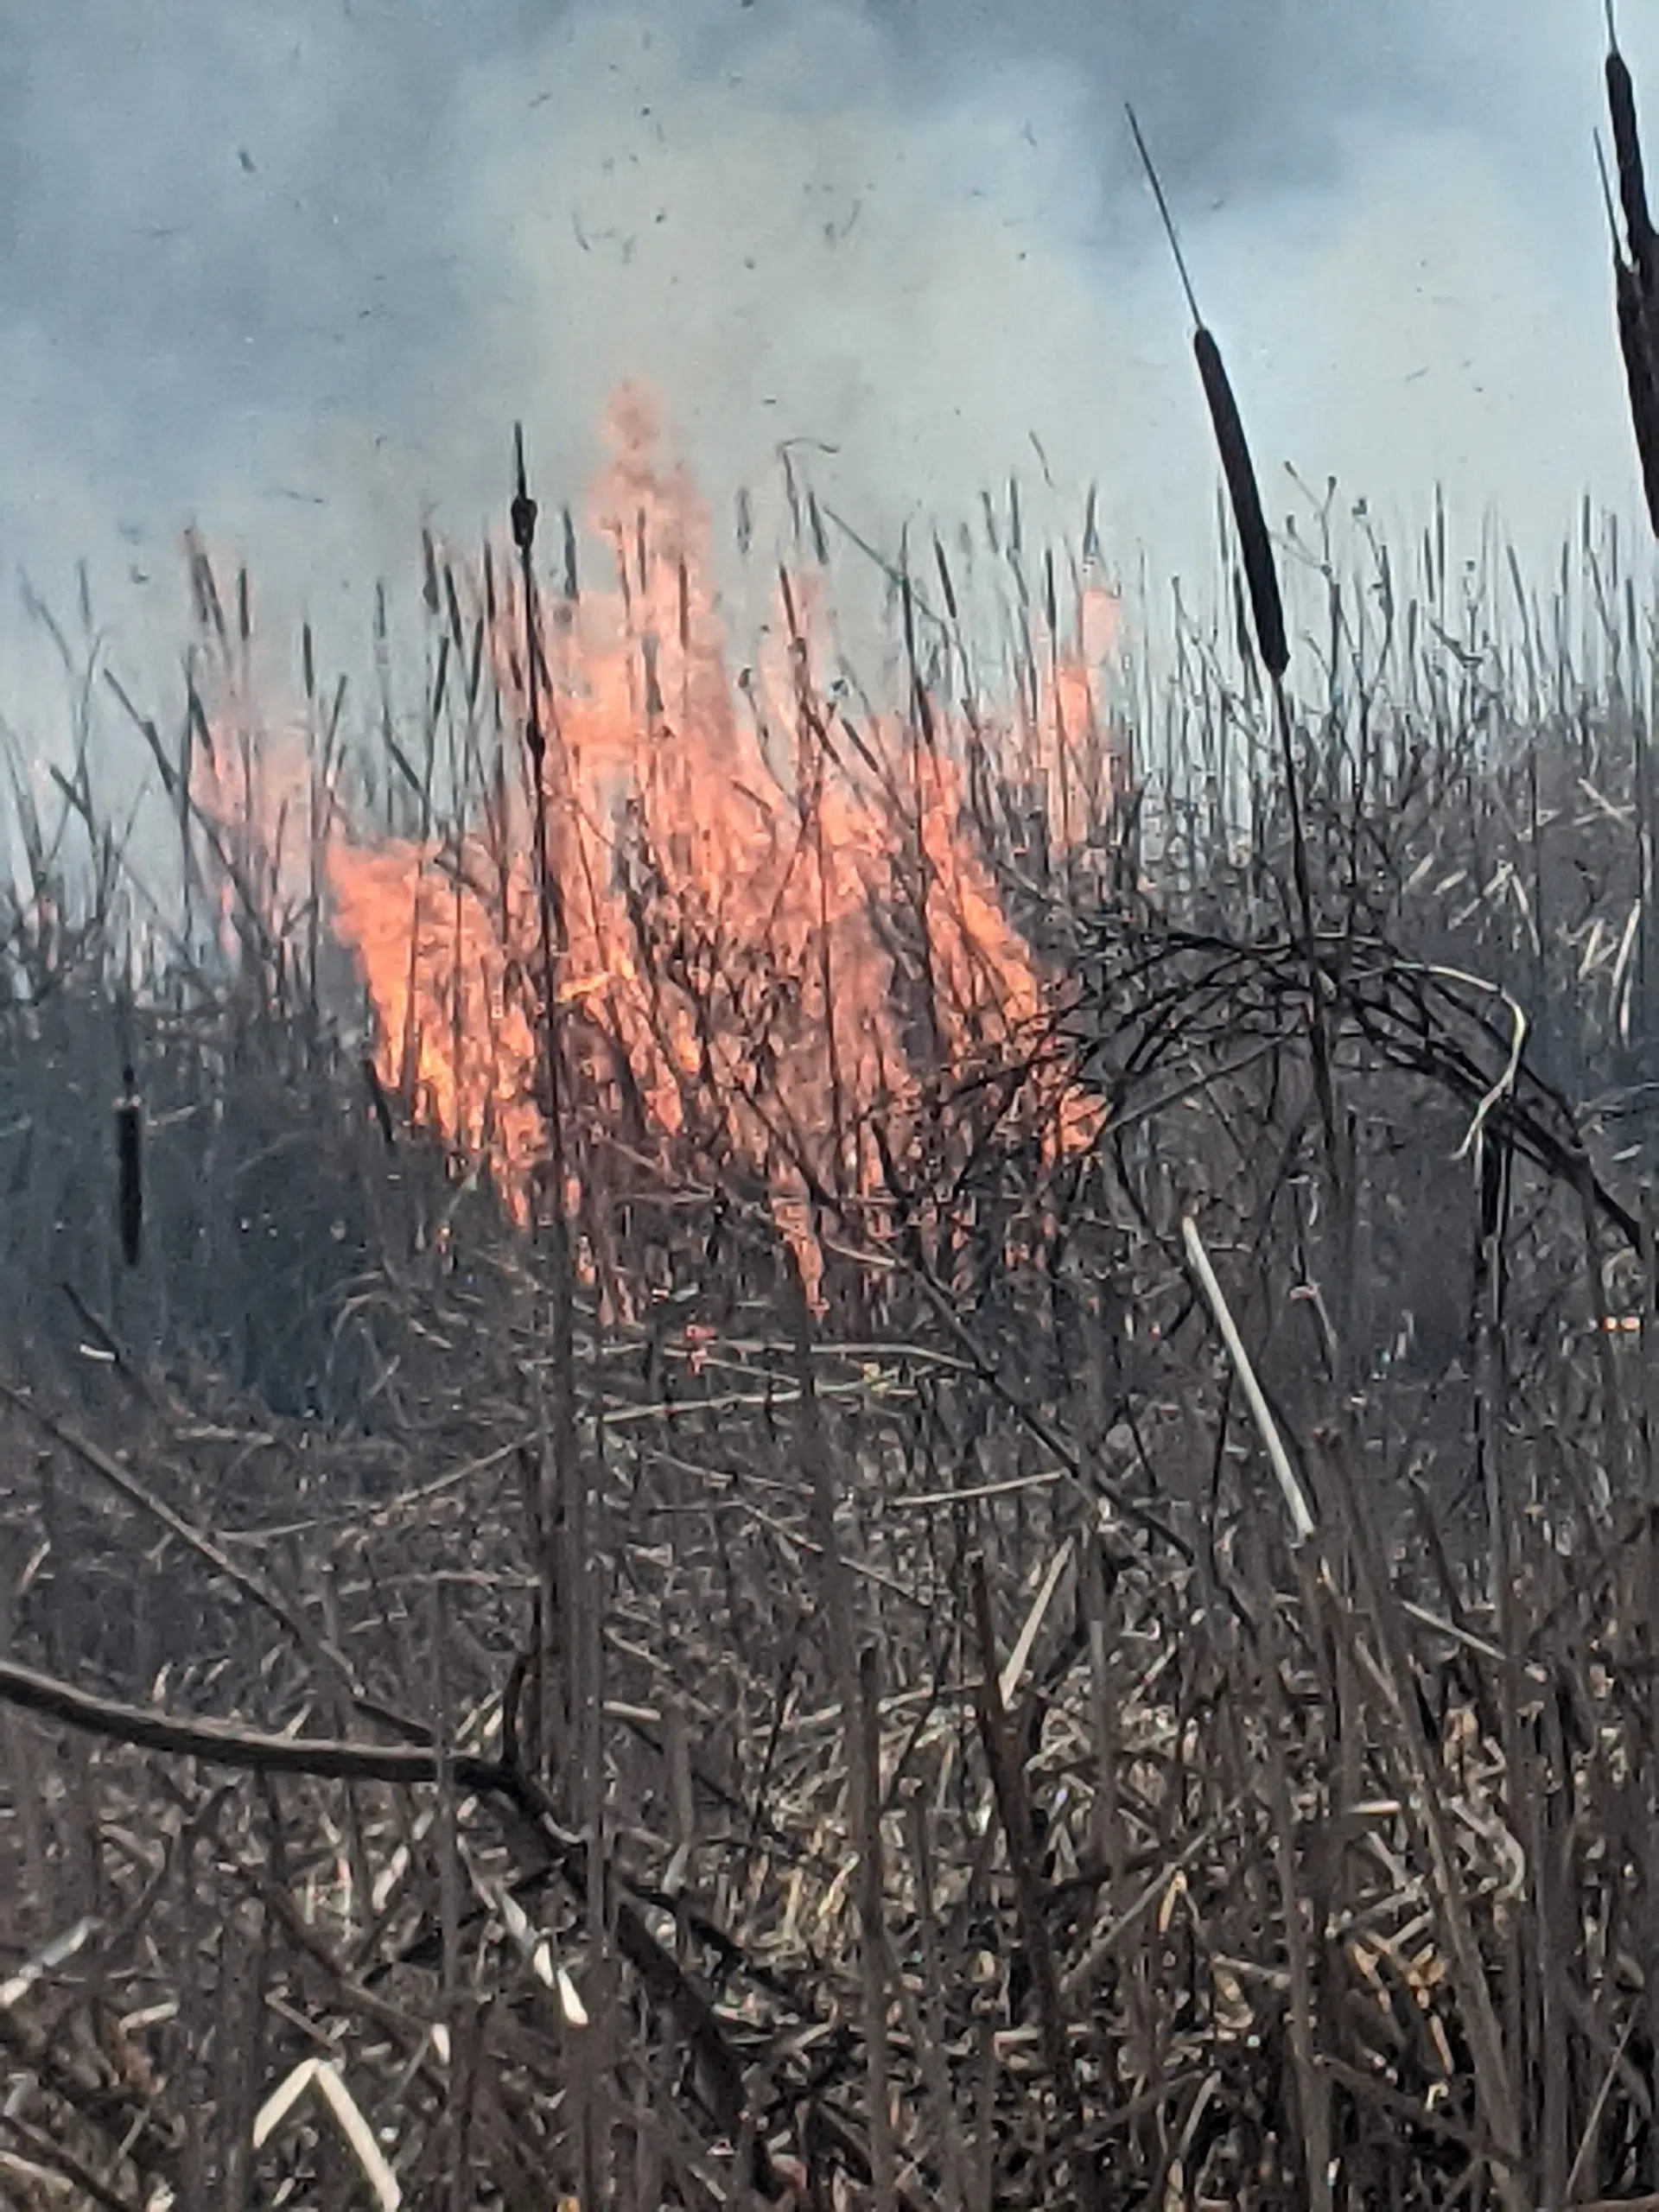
<point x="292" y="271"/>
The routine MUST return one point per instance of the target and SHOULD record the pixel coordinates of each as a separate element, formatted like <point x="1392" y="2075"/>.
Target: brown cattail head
<point x="1632" y="187"/>
<point x="1634" y="341"/>
<point x="1636" y="268"/>
<point x="1256" y="548"/>
<point x="130" y="1167"/>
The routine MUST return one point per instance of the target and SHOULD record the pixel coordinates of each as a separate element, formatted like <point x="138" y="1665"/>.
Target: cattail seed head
<point x="1627" y="152"/>
<point x="130" y="1168"/>
<point x="1636" y="276"/>
<point x="1256" y="548"/>
<point x="1635" y="342"/>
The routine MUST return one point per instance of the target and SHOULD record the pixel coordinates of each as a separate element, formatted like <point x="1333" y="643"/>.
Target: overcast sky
<point x="291" y="270"/>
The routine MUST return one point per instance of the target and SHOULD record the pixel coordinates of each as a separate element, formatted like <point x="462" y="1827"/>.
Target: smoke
<point x="291" y="271"/>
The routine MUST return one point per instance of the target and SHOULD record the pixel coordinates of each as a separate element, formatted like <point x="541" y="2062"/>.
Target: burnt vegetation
<point x="1113" y="1661"/>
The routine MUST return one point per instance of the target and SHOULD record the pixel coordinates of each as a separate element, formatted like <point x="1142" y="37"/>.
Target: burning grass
<point x="774" y="927"/>
<point x="938" y="1489"/>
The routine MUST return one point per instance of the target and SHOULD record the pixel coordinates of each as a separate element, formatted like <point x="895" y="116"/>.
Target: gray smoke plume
<point x="292" y="270"/>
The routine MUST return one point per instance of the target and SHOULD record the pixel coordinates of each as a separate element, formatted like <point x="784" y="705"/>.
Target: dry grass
<point x="1148" y="1696"/>
<point x="1262" y="1852"/>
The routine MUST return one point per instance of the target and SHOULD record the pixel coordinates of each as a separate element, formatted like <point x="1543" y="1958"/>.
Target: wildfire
<point x="778" y="953"/>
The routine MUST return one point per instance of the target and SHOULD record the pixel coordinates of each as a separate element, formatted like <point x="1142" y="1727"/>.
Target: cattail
<point x="204" y="592"/>
<point x="945" y="584"/>
<point x="130" y="1167"/>
<point x="1256" y="548"/>
<point x="452" y="601"/>
<point x="440" y="678"/>
<point x="1627" y="152"/>
<point x="1635" y="264"/>
<point x="475" y="667"/>
<point x="1635" y="344"/>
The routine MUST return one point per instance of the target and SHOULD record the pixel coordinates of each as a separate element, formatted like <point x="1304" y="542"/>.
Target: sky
<point x="289" y="269"/>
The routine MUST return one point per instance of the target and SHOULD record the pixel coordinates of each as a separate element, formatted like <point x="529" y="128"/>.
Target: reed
<point x="1146" y="1693"/>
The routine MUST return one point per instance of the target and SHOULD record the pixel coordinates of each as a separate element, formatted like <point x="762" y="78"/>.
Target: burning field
<point x="820" y="1444"/>
<point x="768" y="923"/>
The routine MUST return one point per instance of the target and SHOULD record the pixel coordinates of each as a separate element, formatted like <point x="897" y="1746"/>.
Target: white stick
<point x="1301" y="1518"/>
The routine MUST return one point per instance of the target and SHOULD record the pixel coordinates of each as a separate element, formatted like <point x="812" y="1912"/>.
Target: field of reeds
<point x="697" y="1523"/>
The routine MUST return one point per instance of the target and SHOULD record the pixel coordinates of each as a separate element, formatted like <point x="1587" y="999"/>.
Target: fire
<point x="778" y="953"/>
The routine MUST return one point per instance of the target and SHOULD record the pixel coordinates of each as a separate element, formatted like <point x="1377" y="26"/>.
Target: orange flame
<point x="772" y="935"/>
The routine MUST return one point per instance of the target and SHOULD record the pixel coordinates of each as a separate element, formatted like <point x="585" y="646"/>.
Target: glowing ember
<point x="779" y="954"/>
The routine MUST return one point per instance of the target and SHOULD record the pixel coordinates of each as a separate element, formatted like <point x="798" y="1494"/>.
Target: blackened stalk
<point x="523" y="538"/>
<point x="559" y="1487"/>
